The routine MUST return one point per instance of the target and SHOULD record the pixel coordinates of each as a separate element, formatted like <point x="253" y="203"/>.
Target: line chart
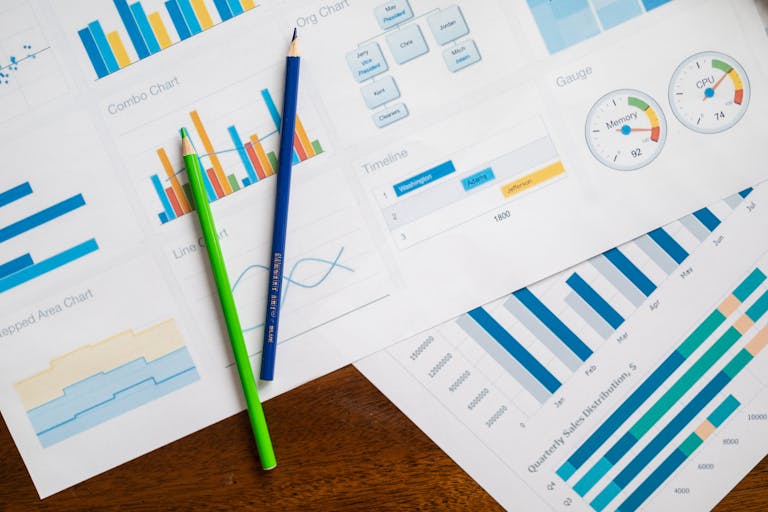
<point x="289" y="279"/>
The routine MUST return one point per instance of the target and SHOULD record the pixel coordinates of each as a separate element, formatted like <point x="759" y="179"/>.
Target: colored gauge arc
<point x="626" y="130"/>
<point x="709" y="92"/>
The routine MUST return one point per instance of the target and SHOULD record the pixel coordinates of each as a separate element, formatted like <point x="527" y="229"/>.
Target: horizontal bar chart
<point x="25" y="267"/>
<point x="564" y="23"/>
<point x="257" y="163"/>
<point x="150" y="33"/>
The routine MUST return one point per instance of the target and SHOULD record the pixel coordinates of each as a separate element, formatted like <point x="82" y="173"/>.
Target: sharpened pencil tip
<point x="184" y="133"/>
<point x="186" y="143"/>
<point x="295" y="34"/>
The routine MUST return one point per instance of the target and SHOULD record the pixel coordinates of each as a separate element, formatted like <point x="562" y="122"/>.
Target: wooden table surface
<point x="341" y="445"/>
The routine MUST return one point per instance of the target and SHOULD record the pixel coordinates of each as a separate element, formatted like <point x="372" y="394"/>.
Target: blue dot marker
<point x="709" y="92"/>
<point x="626" y="129"/>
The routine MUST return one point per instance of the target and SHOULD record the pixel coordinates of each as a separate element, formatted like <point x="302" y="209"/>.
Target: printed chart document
<point x="436" y="143"/>
<point x="635" y="379"/>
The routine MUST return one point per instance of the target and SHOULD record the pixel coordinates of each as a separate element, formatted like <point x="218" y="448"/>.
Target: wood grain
<point x="341" y="446"/>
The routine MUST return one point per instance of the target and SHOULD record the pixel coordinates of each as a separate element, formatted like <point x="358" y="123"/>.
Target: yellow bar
<point x="304" y="139"/>
<point x="759" y="342"/>
<point x="158" y="27"/>
<point x="117" y="350"/>
<point x="268" y="170"/>
<point x="217" y="168"/>
<point x="652" y="117"/>
<point x="705" y="430"/>
<point x="247" y="4"/>
<point x="175" y="185"/>
<point x="533" y="179"/>
<point x="202" y="14"/>
<point x="737" y="83"/>
<point x="118" y="49"/>
<point x="729" y="305"/>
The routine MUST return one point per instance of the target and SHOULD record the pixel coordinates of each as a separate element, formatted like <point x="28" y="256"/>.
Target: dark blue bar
<point x="93" y="52"/>
<point x="669" y="245"/>
<point x="634" y="274"/>
<point x="707" y="218"/>
<point x="103" y="45"/>
<point x="146" y="29"/>
<point x="620" y="448"/>
<point x="41" y="217"/>
<point x="424" y="178"/>
<point x="625" y="410"/>
<point x="189" y="14"/>
<point x="515" y="349"/>
<point x="553" y="323"/>
<point x="223" y="8"/>
<point x="178" y="19"/>
<point x="15" y="193"/>
<point x="15" y="265"/>
<point x="674" y="427"/>
<point x="235" y="7"/>
<point x="746" y="192"/>
<point x="653" y="482"/>
<point x="595" y="301"/>
<point x="132" y="28"/>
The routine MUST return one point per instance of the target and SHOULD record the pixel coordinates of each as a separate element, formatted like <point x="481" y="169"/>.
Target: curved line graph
<point x="289" y="280"/>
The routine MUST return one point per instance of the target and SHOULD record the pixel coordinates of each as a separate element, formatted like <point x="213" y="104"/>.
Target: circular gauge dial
<point x="626" y="130"/>
<point x="709" y="92"/>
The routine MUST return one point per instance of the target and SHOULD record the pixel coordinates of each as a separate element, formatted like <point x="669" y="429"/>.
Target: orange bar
<point x="158" y="27"/>
<point x="255" y="160"/>
<point x="759" y="342"/>
<point x="298" y="147"/>
<point x="729" y="305"/>
<point x="262" y="155"/>
<point x="705" y="430"/>
<point x="215" y="182"/>
<point x="743" y="324"/>
<point x="304" y="138"/>
<point x="203" y="16"/>
<point x="218" y="169"/>
<point x="174" y="201"/>
<point x="174" y="180"/>
<point x="247" y="4"/>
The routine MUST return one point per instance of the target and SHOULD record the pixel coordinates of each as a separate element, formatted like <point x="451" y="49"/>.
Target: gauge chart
<point x="709" y="92"/>
<point x="626" y="130"/>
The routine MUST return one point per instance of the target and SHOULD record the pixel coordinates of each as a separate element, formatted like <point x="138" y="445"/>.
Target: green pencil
<point x="243" y="363"/>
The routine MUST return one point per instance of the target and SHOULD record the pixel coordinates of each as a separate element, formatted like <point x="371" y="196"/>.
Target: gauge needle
<point x="628" y="129"/>
<point x="707" y="94"/>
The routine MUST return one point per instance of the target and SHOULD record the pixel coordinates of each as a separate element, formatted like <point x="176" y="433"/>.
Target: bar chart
<point x="24" y="268"/>
<point x="542" y="334"/>
<point x="257" y="162"/>
<point x="710" y="357"/>
<point x="564" y="23"/>
<point x="149" y="32"/>
<point x="95" y="383"/>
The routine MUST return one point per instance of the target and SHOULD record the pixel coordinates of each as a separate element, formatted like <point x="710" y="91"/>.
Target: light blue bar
<point x="243" y="155"/>
<point x="235" y="7"/>
<point x="563" y="23"/>
<point x="424" y="178"/>
<point x="146" y="30"/>
<point x="104" y="49"/>
<point x="566" y="471"/>
<point x="723" y="411"/>
<point x="604" y="498"/>
<point x="52" y="263"/>
<point x="160" y="191"/>
<point x="267" y="97"/>
<point x="616" y="12"/>
<point x="593" y="476"/>
<point x="190" y="17"/>
<point x="477" y="179"/>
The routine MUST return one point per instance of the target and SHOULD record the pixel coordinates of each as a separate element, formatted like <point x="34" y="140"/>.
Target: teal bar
<point x="749" y="285"/>
<point x="604" y="498"/>
<point x="758" y="309"/>
<point x="593" y="476"/>
<point x="566" y="471"/>
<point x="723" y="411"/>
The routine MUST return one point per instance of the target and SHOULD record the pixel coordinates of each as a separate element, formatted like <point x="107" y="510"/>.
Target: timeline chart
<point x="150" y="32"/>
<point x="564" y="23"/>
<point x="426" y="200"/>
<point x="676" y="459"/>
<point x="95" y="383"/>
<point x="257" y="163"/>
<point x="708" y="348"/>
<point x="541" y="334"/>
<point x="23" y="268"/>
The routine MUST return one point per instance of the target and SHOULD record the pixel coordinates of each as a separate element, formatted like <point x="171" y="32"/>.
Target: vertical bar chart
<point x="24" y="268"/>
<point x="257" y="163"/>
<point x="150" y="32"/>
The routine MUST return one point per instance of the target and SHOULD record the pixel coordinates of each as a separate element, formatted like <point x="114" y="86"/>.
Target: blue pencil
<point x="279" y="230"/>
